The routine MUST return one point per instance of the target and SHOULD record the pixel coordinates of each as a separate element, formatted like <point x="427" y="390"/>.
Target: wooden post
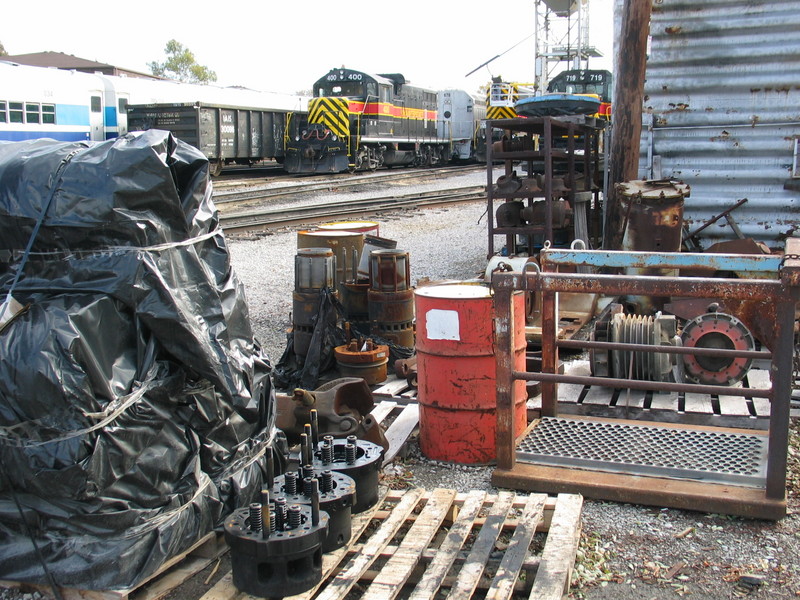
<point x="626" y="118"/>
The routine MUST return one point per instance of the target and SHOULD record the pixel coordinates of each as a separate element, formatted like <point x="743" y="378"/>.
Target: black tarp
<point x="136" y="408"/>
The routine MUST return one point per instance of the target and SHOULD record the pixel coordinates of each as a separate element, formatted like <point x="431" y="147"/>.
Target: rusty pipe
<point x="635" y="384"/>
<point x="698" y="351"/>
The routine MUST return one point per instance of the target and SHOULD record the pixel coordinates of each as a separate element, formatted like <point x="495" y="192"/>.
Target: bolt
<point x="295" y="518"/>
<point x="314" y="502"/>
<point x="304" y="457"/>
<point x="290" y="486"/>
<point x="270" y="470"/>
<point x="255" y="517"/>
<point x="327" y="452"/>
<point x="350" y="453"/>
<point x="267" y="519"/>
<point x="280" y="514"/>
<point x="327" y="482"/>
<point x="314" y="428"/>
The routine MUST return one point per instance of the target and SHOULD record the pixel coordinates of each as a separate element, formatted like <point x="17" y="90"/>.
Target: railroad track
<point x="229" y="192"/>
<point x="266" y="218"/>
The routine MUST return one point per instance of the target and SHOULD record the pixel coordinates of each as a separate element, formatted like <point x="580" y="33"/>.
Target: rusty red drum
<point x="456" y="372"/>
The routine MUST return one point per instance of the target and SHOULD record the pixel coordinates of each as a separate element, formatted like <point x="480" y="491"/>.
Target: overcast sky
<point x="285" y="46"/>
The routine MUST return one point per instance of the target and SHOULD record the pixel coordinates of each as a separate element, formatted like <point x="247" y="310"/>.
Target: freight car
<point x="358" y="121"/>
<point x="225" y="134"/>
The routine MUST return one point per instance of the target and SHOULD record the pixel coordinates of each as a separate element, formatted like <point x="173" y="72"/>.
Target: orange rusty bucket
<point x="456" y="372"/>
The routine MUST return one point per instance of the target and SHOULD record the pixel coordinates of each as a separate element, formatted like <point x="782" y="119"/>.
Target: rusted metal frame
<point x="716" y="218"/>
<point x="636" y="384"/>
<point x="570" y="165"/>
<point x="548" y="177"/>
<point x="781" y="375"/>
<point x="640" y="285"/>
<point x="489" y="189"/>
<point x="750" y="263"/>
<point x="504" y="366"/>
<point x="784" y="293"/>
<point x="721" y="352"/>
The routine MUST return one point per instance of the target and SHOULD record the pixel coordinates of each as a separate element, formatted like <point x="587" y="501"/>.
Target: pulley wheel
<point x="722" y="331"/>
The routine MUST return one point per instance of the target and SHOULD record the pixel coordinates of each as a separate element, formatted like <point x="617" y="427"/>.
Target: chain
<point x="789" y="257"/>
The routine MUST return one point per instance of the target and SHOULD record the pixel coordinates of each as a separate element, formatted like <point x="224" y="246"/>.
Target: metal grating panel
<point x="709" y="456"/>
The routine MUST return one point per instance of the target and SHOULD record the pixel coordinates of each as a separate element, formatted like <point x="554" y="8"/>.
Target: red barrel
<point x="456" y="372"/>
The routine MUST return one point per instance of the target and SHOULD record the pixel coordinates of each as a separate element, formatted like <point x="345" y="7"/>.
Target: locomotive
<point x="358" y="121"/>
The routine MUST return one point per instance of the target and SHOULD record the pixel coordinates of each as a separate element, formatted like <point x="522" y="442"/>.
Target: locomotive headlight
<point x="297" y="138"/>
<point x="334" y="138"/>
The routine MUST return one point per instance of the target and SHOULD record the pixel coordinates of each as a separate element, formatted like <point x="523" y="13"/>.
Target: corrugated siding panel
<point x="723" y="97"/>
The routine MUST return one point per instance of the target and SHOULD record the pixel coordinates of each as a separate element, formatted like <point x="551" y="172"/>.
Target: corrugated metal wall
<point x="722" y="104"/>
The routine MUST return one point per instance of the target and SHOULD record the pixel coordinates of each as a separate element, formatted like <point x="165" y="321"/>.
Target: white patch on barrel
<point x="442" y="325"/>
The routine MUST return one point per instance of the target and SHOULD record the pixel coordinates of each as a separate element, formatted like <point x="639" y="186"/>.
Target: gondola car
<point x="358" y="121"/>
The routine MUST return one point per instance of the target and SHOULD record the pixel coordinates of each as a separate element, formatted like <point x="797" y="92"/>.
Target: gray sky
<point x="285" y="46"/>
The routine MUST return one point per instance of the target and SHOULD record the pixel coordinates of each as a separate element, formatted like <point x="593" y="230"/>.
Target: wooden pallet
<point x="395" y="388"/>
<point x="688" y="408"/>
<point x="172" y="573"/>
<point x="425" y="544"/>
<point x="396" y="409"/>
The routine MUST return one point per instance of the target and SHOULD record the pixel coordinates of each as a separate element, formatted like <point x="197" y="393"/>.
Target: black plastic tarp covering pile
<point x="136" y="409"/>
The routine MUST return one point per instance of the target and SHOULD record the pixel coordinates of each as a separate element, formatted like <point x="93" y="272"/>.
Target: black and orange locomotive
<point x="358" y="121"/>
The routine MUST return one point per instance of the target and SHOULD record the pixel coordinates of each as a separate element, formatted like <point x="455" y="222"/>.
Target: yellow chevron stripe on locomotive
<point x="502" y="96"/>
<point x="500" y="112"/>
<point x="333" y="113"/>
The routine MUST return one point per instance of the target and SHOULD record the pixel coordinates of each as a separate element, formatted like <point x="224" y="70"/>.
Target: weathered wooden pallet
<point x="172" y="573"/>
<point x="397" y="410"/>
<point x="396" y="389"/>
<point x="689" y="408"/>
<point x="430" y="544"/>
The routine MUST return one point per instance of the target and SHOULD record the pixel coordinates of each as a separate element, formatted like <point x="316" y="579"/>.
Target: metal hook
<point x="535" y="267"/>
<point x="577" y="244"/>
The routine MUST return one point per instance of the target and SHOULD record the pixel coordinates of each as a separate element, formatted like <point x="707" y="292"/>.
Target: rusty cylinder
<point x="346" y="246"/>
<point x="390" y="299"/>
<point x="651" y="217"/>
<point x="314" y="269"/>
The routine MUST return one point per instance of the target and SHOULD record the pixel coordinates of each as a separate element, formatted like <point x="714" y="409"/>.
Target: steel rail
<point x="269" y="218"/>
<point x="337" y="181"/>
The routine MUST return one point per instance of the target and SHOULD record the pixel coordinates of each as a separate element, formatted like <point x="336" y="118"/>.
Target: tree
<point x="3" y="50"/>
<point x="181" y="65"/>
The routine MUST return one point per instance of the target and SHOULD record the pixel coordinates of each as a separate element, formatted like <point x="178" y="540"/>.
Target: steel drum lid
<point x="313" y="239"/>
<point x="455" y="291"/>
<point x="650" y="190"/>
<point x="365" y="227"/>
